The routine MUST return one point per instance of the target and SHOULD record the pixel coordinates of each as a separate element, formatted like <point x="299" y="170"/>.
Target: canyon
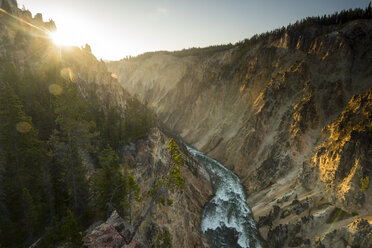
<point x="290" y="114"/>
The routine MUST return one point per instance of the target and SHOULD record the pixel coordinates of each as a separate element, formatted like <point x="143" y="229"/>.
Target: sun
<point x="64" y="38"/>
<point x="56" y="37"/>
<point x="60" y="38"/>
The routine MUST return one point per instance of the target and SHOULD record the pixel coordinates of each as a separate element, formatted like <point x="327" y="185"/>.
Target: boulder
<point x="113" y="233"/>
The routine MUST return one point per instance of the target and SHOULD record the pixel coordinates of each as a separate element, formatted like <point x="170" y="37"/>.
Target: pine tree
<point x="108" y="183"/>
<point x="138" y="119"/>
<point x="22" y="180"/>
<point x="30" y="213"/>
<point x="71" y="231"/>
<point x="73" y="134"/>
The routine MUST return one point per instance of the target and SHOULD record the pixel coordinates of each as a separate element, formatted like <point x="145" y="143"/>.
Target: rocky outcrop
<point x="342" y="161"/>
<point x="357" y="234"/>
<point x="182" y="219"/>
<point x="113" y="233"/>
<point x="260" y="108"/>
<point x="9" y="5"/>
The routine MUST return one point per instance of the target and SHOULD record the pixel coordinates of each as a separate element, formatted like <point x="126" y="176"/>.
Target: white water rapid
<point x="227" y="220"/>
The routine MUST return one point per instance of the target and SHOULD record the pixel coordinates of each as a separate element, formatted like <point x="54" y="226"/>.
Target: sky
<point x="118" y="28"/>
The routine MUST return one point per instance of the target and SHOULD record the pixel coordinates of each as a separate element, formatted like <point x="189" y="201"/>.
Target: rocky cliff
<point x="290" y="113"/>
<point x="182" y="219"/>
<point x="179" y="222"/>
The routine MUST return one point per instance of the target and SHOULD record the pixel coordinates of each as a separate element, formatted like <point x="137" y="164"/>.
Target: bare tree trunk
<point x="130" y="206"/>
<point x="143" y="217"/>
<point x="151" y="205"/>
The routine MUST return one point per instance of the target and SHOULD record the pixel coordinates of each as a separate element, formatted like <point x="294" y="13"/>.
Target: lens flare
<point x="68" y="74"/>
<point x="55" y="89"/>
<point x="23" y="127"/>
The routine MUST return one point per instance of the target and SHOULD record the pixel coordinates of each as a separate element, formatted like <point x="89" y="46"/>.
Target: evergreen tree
<point x="22" y="180"/>
<point x="113" y="133"/>
<point x="71" y="231"/>
<point x="138" y="119"/>
<point x="72" y="136"/>
<point x="108" y="183"/>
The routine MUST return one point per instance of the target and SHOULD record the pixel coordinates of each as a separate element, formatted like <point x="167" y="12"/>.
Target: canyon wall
<point x="181" y="219"/>
<point x="290" y="114"/>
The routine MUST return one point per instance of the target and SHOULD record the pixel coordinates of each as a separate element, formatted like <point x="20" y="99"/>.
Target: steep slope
<point x="179" y="222"/>
<point x="259" y="107"/>
<point x="39" y="74"/>
<point x="182" y="219"/>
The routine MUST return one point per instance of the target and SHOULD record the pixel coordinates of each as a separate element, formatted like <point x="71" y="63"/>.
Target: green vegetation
<point x="108" y="184"/>
<point x="42" y="173"/>
<point x="24" y="201"/>
<point x="364" y="183"/>
<point x="59" y="146"/>
<point x="163" y="240"/>
<point x="194" y="51"/>
<point x="113" y="187"/>
<point x="71" y="230"/>
<point x="137" y="120"/>
<point x="61" y="161"/>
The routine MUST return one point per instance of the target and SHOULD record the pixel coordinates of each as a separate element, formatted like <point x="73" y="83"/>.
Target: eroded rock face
<point x="343" y="160"/>
<point x="182" y="219"/>
<point x="10" y="3"/>
<point x="260" y="110"/>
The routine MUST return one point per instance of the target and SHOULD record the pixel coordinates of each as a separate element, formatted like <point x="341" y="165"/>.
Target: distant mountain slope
<point x="274" y="109"/>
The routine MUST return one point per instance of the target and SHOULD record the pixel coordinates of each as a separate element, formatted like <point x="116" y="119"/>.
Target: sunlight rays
<point x="65" y="38"/>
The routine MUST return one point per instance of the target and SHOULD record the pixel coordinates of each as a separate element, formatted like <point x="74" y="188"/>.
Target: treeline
<point x="299" y="27"/>
<point x="194" y="51"/>
<point x="306" y="30"/>
<point x="59" y="155"/>
<point x="204" y="51"/>
<point x="294" y="31"/>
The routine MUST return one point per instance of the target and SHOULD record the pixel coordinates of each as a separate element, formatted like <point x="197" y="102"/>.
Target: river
<point x="227" y="220"/>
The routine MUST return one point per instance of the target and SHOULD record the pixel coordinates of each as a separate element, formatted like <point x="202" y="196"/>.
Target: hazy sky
<point x="117" y="28"/>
